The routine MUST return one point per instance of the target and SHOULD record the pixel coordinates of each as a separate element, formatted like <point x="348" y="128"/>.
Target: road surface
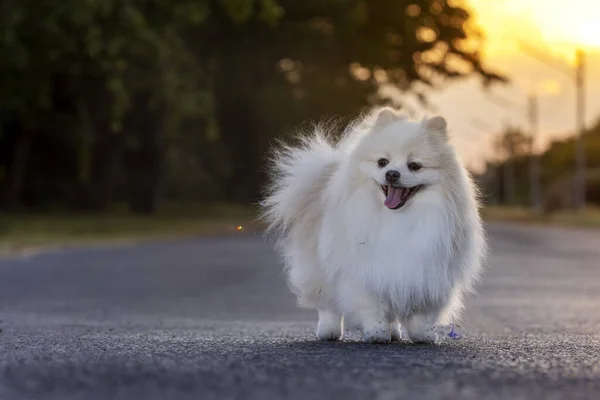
<point x="212" y="318"/>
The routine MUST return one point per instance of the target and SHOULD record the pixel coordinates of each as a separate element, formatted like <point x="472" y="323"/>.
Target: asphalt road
<point x="213" y="319"/>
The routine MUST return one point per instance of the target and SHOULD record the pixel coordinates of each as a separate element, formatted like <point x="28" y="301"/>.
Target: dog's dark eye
<point x="382" y="162"/>
<point x="413" y="166"/>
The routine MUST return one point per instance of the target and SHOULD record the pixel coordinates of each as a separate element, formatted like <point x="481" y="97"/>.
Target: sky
<point x="555" y="27"/>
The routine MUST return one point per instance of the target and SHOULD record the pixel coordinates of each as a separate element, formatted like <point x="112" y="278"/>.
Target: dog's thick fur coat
<point x="352" y="257"/>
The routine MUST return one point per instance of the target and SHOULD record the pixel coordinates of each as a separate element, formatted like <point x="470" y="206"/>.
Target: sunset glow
<point x="555" y="25"/>
<point x="555" y="29"/>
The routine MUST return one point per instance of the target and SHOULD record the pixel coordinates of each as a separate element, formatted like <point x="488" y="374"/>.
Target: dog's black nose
<point x="392" y="175"/>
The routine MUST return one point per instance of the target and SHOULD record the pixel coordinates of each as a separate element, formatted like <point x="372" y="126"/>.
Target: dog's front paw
<point x="396" y="331"/>
<point x="330" y="326"/>
<point x="420" y="328"/>
<point x="329" y="335"/>
<point x="377" y="334"/>
<point x="428" y="336"/>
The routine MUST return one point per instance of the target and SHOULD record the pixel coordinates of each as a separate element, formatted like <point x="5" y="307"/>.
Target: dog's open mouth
<point x="396" y="196"/>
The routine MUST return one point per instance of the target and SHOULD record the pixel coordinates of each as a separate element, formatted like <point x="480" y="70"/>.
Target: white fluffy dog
<point x="380" y="228"/>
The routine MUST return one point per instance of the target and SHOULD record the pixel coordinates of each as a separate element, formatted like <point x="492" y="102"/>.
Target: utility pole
<point x="580" y="200"/>
<point x="534" y="158"/>
<point x="509" y="170"/>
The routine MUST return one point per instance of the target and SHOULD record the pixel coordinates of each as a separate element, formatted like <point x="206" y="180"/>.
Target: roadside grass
<point x="23" y="232"/>
<point x="587" y="218"/>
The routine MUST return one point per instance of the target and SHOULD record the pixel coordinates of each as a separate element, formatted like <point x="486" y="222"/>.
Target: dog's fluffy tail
<point x="297" y="176"/>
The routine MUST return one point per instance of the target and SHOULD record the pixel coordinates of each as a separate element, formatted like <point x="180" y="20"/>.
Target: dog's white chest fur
<point x="404" y="262"/>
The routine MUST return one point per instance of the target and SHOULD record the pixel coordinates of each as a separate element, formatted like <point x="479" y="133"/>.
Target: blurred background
<point x="122" y="117"/>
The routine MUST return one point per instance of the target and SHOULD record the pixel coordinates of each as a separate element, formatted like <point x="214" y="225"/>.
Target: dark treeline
<point x="508" y="181"/>
<point x="105" y="102"/>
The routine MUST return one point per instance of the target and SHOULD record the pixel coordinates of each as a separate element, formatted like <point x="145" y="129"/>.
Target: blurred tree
<point x="512" y="143"/>
<point x="327" y="57"/>
<point x="121" y="100"/>
<point x="558" y="168"/>
<point x="118" y="74"/>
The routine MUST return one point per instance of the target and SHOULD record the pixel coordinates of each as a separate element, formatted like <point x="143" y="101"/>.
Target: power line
<point x="545" y="58"/>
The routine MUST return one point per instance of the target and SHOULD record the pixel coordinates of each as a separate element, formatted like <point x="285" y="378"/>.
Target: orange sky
<point x="558" y="24"/>
<point x="557" y="27"/>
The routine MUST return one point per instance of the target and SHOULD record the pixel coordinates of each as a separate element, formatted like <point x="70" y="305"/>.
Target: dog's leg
<point x="376" y="329"/>
<point x="395" y="329"/>
<point x="330" y="326"/>
<point x="367" y="310"/>
<point x="420" y="328"/>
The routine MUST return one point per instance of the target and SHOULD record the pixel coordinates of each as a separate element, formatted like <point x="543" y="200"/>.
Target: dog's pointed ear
<point x="385" y="116"/>
<point x="436" y="124"/>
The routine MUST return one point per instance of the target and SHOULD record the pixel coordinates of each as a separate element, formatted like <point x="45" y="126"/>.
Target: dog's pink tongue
<point x="394" y="197"/>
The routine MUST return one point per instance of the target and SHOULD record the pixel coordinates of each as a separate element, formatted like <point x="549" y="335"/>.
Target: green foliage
<point x="115" y="40"/>
<point x="558" y="167"/>
<point x="181" y="98"/>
